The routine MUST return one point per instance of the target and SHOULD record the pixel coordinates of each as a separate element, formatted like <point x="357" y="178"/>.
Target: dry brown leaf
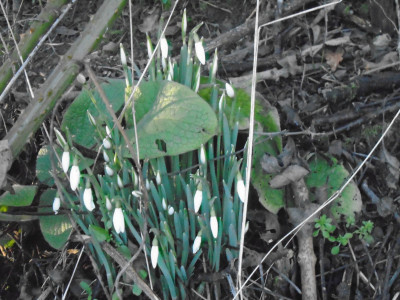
<point x="290" y="174"/>
<point x="334" y="58"/>
<point x="150" y="22"/>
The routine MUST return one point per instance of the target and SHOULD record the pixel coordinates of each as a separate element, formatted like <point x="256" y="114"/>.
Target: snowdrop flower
<point x="137" y="194"/>
<point x="56" y="204"/>
<point x="119" y="182"/>
<point x="164" y="204"/>
<point x="240" y="188"/>
<point x="108" y="204"/>
<point x="154" y="253"/>
<point x="118" y="220"/>
<point x="171" y="210"/>
<point x="202" y="155"/>
<point x="147" y="184"/>
<point x="105" y="156"/>
<point x="197" y="243"/>
<point x="158" y="178"/>
<point x="81" y="78"/>
<point x="229" y="90"/>
<point x="109" y="171"/>
<point x="214" y="224"/>
<point x="135" y="179"/>
<point x="122" y="54"/>
<point x="198" y="198"/>
<point x="88" y="198"/>
<point x="164" y="47"/>
<point x="106" y="143"/>
<point x="65" y="161"/>
<point x="74" y="177"/>
<point x="200" y="53"/>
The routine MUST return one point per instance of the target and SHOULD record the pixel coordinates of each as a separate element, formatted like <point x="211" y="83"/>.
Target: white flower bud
<point x="109" y="171"/>
<point x="241" y="189"/>
<point x="56" y="204"/>
<point x="60" y="138"/>
<point x="229" y="90"/>
<point x="106" y="143"/>
<point x="198" y="199"/>
<point x="154" y="253"/>
<point x="200" y="53"/>
<point x="214" y="224"/>
<point x="158" y="178"/>
<point x="88" y="199"/>
<point x="108" y="204"/>
<point x="202" y="155"/>
<point x="171" y="210"/>
<point x="81" y="78"/>
<point x="108" y="131"/>
<point x="164" y="203"/>
<point x="137" y="194"/>
<point x="197" y="243"/>
<point x="65" y="161"/>
<point x="74" y="177"/>
<point x="118" y="220"/>
<point x="105" y="156"/>
<point x="147" y="184"/>
<point x="123" y="55"/>
<point x="119" y="182"/>
<point x="92" y="120"/>
<point x="164" y="47"/>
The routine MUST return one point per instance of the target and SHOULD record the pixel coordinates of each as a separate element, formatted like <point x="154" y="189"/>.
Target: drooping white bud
<point x="106" y="143"/>
<point x="108" y="131"/>
<point x="118" y="220"/>
<point x="137" y="194"/>
<point x="229" y="90"/>
<point x="200" y="53"/>
<point x="81" y="78"/>
<point x="198" y="199"/>
<point x="119" y="182"/>
<point x="171" y="210"/>
<point x="65" y="161"/>
<point x="88" y="199"/>
<point x="74" y="177"/>
<point x="214" y="224"/>
<point x="202" y="155"/>
<point x="109" y="171"/>
<point x="164" y="47"/>
<point x="105" y="156"/>
<point x="197" y="243"/>
<point x="241" y="188"/>
<point x="108" y="204"/>
<point x="158" y="178"/>
<point x="56" y="204"/>
<point x="164" y="203"/>
<point x="154" y="253"/>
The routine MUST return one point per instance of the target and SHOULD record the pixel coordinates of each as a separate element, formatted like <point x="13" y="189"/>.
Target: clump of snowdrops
<point x="194" y="205"/>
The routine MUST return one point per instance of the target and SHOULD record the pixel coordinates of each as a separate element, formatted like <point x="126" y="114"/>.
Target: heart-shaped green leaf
<point x="55" y="228"/>
<point x="177" y="121"/>
<point x="23" y="196"/>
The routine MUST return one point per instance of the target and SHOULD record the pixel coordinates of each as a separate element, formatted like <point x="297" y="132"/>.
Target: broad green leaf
<point x="99" y="233"/>
<point x="55" y="228"/>
<point x="76" y="118"/>
<point x="23" y="196"/>
<point x="330" y="173"/>
<point x="178" y="121"/>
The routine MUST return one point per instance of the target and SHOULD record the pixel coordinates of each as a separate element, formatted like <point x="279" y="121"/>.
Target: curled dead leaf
<point x="291" y="174"/>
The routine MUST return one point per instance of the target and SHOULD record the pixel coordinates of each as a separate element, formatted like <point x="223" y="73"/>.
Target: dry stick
<point x="251" y="130"/>
<point x="18" y="51"/>
<point x="137" y="164"/>
<point x="322" y="269"/>
<point x="28" y="59"/>
<point x="130" y="271"/>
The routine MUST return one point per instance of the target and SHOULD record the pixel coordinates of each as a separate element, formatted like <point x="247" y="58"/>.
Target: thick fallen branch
<point x="62" y="76"/>
<point x="43" y="21"/>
